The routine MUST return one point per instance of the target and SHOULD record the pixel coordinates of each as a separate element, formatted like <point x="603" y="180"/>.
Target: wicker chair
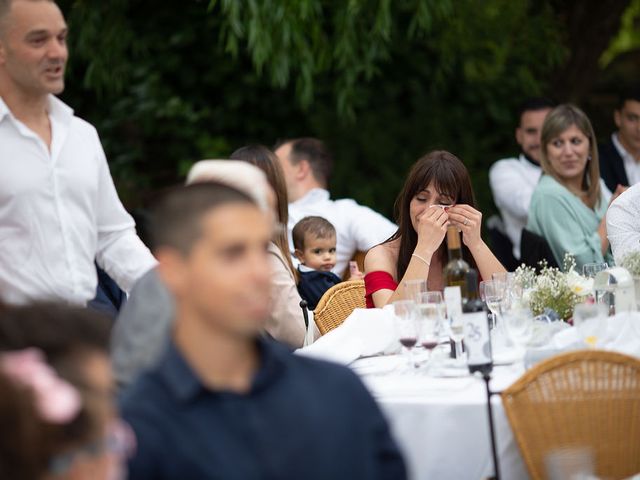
<point x="337" y="303"/>
<point x="586" y="398"/>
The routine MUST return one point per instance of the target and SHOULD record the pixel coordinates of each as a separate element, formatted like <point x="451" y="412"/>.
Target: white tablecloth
<point x="441" y="424"/>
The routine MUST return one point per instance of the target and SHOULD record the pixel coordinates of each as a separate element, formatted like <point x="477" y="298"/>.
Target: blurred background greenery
<point x="381" y="81"/>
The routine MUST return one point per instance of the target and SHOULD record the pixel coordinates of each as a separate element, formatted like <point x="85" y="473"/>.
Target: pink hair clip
<point x="56" y="400"/>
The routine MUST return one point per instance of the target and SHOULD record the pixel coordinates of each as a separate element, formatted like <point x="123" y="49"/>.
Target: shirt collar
<point x="304" y="268"/>
<point x="526" y="158"/>
<point x="312" y="196"/>
<point x="621" y="150"/>
<point x="185" y="385"/>
<point x="58" y="110"/>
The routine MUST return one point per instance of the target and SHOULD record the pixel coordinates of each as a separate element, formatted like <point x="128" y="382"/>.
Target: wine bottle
<point x="456" y="269"/>
<point x="473" y="303"/>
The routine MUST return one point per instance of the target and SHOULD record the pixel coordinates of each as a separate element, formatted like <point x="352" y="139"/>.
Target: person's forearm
<point x="417" y="269"/>
<point x="486" y="261"/>
<point x="602" y="233"/>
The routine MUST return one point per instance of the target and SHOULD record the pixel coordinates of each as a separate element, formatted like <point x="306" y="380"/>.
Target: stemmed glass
<point x="406" y="326"/>
<point x="492" y="293"/>
<point x="590" y="270"/>
<point x="456" y="329"/>
<point x="429" y="319"/>
<point x="519" y="325"/>
<point x="413" y="289"/>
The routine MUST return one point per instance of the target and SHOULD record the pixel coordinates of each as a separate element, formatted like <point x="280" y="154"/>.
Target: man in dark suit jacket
<point x="620" y="158"/>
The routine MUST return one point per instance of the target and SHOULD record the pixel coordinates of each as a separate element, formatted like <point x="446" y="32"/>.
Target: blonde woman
<point x="569" y="204"/>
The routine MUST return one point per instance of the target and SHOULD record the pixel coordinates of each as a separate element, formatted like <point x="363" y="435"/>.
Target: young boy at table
<point x="314" y="240"/>
<point x="224" y="401"/>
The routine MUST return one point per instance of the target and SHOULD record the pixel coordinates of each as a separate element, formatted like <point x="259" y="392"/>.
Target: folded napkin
<point x="620" y="333"/>
<point x="367" y="331"/>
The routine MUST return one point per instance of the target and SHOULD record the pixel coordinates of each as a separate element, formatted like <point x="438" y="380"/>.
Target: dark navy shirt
<point x="301" y="419"/>
<point x="313" y="284"/>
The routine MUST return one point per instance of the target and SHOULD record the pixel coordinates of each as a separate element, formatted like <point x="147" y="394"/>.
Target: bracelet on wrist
<point x="428" y="264"/>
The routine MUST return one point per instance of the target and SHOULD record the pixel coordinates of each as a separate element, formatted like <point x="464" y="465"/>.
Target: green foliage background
<point x="382" y="81"/>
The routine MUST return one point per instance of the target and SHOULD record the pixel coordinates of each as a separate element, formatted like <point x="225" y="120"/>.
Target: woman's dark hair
<point x="451" y="178"/>
<point x="266" y="160"/>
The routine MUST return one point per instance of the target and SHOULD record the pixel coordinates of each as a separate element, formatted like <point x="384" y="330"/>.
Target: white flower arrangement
<point x="552" y="289"/>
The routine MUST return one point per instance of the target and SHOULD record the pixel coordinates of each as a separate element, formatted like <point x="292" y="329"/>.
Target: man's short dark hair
<point x="534" y="104"/>
<point x="316" y="153"/>
<point x="176" y="220"/>
<point x="319" y="227"/>
<point x="632" y="93"/>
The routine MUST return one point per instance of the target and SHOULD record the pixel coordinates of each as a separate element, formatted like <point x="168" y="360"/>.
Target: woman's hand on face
<point x="432" y="227"/>
<point x="469" y="221"/>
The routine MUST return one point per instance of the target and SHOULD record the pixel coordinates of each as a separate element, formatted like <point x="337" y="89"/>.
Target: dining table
<point x="438" y="414"/>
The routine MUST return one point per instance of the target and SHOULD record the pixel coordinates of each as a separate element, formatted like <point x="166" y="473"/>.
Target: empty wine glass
<point x="405" y="314"/>
<point x="587" y="319"/>
<point x="435" y="298"/>
<point x="519" y="325"/>
<point x="413" y="289"/>
<point x="492" y="293"/>
<point x="590" y="270"/>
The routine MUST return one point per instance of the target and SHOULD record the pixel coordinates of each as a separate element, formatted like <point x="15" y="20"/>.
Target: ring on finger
<point x="466" y="222"/>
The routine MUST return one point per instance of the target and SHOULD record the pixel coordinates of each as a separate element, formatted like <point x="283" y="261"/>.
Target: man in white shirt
<point x="513" y="180"/>
<point x="620" y="158"/>
<point x="623" y="223"/>
<point x="307" y="165"/>
<point x="59" y="210"/>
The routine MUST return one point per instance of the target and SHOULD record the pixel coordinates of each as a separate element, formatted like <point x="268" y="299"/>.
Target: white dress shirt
<point x="358" y="228"/>
<point x="631" y="166"/>
<point x="59" y="211"/>
<point x="513" y="181"/>
<point x="623" y="223"/>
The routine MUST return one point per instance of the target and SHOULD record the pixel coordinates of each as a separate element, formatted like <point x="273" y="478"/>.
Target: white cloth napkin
<point x="367" y="331"/>
<point x="620" y="333"/>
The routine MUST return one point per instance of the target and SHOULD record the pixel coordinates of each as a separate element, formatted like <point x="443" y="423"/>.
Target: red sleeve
<point x="378" y="280"/>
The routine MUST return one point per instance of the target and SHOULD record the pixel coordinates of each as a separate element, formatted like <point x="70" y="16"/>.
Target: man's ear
<point x="519" y="135"/>
<point x="303" y="170"/>
<point x="172" y="268"/>
<point x="617" y="117"/>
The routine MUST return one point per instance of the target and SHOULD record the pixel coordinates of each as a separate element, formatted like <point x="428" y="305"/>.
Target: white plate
<point x="375" y="365"/>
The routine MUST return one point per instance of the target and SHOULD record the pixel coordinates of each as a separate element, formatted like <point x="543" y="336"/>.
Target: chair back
<point x="337" y="303"/>
<point x="585" y="398"/>
<point x="501" y="245"/>
<point x="534" y="248"/>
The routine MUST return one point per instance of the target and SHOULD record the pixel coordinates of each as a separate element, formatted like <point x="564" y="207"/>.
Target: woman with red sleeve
<point x="436" y="194"/>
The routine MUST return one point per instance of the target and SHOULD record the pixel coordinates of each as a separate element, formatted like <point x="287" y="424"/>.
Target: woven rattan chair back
<point x="337" y="303"/>
<point x="587" y="398"/>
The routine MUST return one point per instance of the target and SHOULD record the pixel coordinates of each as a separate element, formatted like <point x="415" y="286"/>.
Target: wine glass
<point x="429" y="319"/>
<point x="519" y="325"/>
<point x="456" y="329"/>
<point x="414" y="288"/>
<point x="406" y="326"/>
<point x="492" y="293"/>
<point x="590" y="270"/>
<point x="435" y="297"/>
<point x="587" y="318"/>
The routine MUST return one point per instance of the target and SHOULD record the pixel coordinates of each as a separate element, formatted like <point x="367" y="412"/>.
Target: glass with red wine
<point x="405" y="321"/>
<point x="429" y="311"/>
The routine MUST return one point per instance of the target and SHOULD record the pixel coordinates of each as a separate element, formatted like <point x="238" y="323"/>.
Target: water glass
<point x="413" y="289"/>
<point x="405" y="322"/>
<point x="587" y="319"/>
<point x="429" y="320"/>
<point x="590" y="270"/>
<point x="492" y="293"/>
<point x="519" y="325"/>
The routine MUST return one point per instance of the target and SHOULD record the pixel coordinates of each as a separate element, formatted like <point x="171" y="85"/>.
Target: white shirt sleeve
<point x="120" y="252"/>
<point x="623" y="223"/>
<point x="507" y="188"/>
<point x="368" y="228"/>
